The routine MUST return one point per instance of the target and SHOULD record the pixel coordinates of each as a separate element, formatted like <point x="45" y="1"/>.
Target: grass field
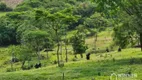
<point x="2" y="13"/>
<point x="100" y="67"/>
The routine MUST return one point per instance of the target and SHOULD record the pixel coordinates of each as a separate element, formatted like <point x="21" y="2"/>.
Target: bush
<point x="113" y="59"/>
<point x="7" y="33"/>
<point x="9" y="9"/>
<point x="61" y="64"/>
<point x="34" y="4"/>
<point x="22" y="8"/>
<point x="10" y="69"/>
<point x="74" y="59"/>
<point x="132" y="61"/>
<point x="3" y="7"/>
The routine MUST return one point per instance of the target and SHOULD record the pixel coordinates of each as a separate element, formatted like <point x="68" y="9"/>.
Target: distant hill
<point x="12" y="3"/>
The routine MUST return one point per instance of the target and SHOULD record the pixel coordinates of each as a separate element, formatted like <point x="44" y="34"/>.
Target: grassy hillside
<point x="102" y="43"/>
<point x="2" y="13"/>
<point x="32" y="20"/>
<point x="100" y="67"/>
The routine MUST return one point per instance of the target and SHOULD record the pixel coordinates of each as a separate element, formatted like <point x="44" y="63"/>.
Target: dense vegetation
<point x="36" y="30"/>
<point x="4" y="7"/>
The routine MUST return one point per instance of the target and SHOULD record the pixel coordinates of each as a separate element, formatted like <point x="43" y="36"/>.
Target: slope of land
<point x="2" y="13"/>
<point x="100" y="67"/>
<point x="102" y="43"/>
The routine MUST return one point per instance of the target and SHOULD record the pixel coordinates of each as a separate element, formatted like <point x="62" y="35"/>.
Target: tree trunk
<point x="63" y="76"/>
<point x="81" y="55"/>
<point x="23" y="62"/>
<point x="141" y="40"/>
<point x="28" y="64"/>
<point x="58" y="48"/>
<point x="75" y="56"/>
<point x="66" y="52"/>
<point x="95" y="41"/>
<point x="11" y="65"/>
<point x="38" y="55"/>
<point x="12" y="61"/>
<point x="47" y="55"/>
<point x="61" y="51"/>
<point x="58" y="58"/>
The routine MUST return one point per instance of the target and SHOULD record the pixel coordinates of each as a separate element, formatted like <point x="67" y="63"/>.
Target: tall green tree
<point x="78" y="42"/>
<point x="36" y="40"/>
<point x="131" y="7"/>
<point x="58" y="22"/>
<point x="7" y="32"/>
<point x="22" y="53"/>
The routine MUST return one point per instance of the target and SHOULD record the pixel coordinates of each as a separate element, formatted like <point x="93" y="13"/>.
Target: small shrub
<point x="129" y="71"/>
<point x="140" y="60"/>
<point x="3" y="7"/>
<point x="10" y="69"/>
<point x="105" y="56"/>
<point x="113" y="60"/>
<point x="100" y="51"/>
<point x="132" y="61"/>
<point x="98" y="60"/>
<point x="110" y="55"/>
<point x="55" y="62"/>
<point x="9" y="9"/>
<point x="99" y="73"/>
<point x="101" y="55"/>
<point x="61" y="64"/>
<point x="22" y="8"/>
<point x="7" y="62"/>
<point x="74" y="59"/>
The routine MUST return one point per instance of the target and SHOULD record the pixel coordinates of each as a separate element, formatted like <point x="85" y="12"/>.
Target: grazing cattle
<point x="88" y="56"/>
<point x="119" y="49"/>
<point x="107" y="50"/>
<point x="15" y="60"/>
<point x="75" y="56"/>
<point x="31" y="66"/>
<point x="38" y="65"/>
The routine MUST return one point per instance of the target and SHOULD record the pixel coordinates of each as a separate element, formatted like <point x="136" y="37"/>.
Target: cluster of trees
<point x="41" y="24"/>
<point x="36" y="26"/>
<point x="126" y="15"/>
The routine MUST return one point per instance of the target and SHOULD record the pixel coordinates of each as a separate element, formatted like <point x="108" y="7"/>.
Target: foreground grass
<point x="2" y="14"/>
<point x="100" y="67"/>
